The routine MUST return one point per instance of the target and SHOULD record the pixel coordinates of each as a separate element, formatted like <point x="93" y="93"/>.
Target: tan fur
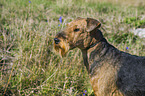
<point x="62" y="49"/>
<point x="102" y="78"/>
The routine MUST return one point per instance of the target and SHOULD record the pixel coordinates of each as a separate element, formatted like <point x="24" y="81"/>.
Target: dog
<point x="112" y="72"/>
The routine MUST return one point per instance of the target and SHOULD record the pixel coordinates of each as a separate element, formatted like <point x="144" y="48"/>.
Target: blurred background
<point x="28" y="64"/>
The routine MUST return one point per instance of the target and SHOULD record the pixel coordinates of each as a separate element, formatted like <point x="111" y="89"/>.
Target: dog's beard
<point x="62" y="48"/>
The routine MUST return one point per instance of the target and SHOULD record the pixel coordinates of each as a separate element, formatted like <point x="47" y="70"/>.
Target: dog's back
<point x="131" y="75"/>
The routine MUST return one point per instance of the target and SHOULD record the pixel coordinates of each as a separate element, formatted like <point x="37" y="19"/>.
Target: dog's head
<point x="79" y="33"/>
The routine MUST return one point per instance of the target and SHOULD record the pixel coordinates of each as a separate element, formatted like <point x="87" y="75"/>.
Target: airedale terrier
<point x="112" y="72"/>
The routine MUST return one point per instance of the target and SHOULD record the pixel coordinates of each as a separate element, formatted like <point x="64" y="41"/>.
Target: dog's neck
<point x="85" y="59"/>
<point x="95" y="44"/>
<point x="99" y="49"/>
<point x="97" y="52"/>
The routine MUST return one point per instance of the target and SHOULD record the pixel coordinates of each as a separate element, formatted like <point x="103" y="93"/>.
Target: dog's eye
<point x="76" y="30"/>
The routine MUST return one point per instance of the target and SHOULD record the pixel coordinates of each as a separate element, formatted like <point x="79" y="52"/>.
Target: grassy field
<point x="28" y="64"/>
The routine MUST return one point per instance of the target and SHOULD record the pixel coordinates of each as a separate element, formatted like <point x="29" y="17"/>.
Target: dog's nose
<point x="56" y="40"/>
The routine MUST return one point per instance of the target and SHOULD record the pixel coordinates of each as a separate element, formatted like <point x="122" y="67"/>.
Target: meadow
<point x="29" y="65"/>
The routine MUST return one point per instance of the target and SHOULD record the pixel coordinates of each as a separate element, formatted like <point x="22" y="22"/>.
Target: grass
<point x="28" y="63"/>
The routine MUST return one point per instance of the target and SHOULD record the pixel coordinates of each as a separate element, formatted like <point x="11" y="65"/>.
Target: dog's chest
<point x="103" y="78"/>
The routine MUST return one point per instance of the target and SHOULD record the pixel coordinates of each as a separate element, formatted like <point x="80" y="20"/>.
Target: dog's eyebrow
<point x="62" y="35"/>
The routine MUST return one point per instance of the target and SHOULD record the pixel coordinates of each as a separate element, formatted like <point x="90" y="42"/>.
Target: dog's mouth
<point x="62" y="48"/>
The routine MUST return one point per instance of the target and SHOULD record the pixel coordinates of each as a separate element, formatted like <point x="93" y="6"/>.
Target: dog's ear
<point x="92" y="24"/>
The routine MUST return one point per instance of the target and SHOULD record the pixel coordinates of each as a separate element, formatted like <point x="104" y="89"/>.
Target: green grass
<point x="28" y="63"/>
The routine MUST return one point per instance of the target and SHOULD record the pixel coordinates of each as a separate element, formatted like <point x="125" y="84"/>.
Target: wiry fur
<point x="112" y="72"/>
<point x="62" y="48"/>
<point x="116" y="72"/>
